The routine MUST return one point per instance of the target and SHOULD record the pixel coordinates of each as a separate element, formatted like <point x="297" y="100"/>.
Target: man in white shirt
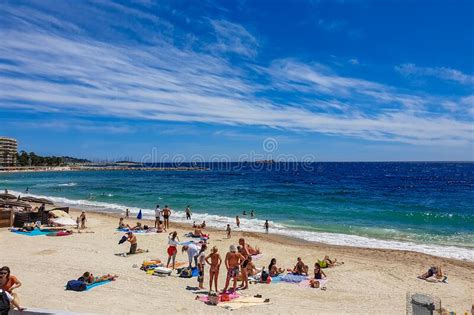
<point x="193" y="251"/>
<point x="158" y="218"/>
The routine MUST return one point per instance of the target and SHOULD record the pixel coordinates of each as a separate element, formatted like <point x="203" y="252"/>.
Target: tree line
<point x="31" y="159"/>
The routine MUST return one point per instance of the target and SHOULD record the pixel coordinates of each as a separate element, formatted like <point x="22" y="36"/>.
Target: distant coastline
<point x="70" y="168"/>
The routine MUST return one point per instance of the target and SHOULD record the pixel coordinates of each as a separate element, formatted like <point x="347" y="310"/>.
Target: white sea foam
<point x="256" y="225"/>
<point x="68" y="185"/>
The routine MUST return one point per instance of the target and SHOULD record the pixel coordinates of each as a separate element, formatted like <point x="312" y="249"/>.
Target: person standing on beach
<point x="192" y="251"/>
<point x="266" y="225"/>
<point x="173" y="242"/>
<point x="251" y="213"/>
<point x="188" y="213"/>
<point x="237" y="221"/>
<point x="215" y="264"/>
<point x="233" y="260"/>
<point x="157" y="216"/>
<point x="83" y="219"/>
<point x="201" y="259"/>
<point x="228" y="230"/>
<point x="127" y="213"/>
<point x="166" y="216"/>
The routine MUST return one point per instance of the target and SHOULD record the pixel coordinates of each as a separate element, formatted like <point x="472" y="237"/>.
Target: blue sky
<point x="331" y="80"/>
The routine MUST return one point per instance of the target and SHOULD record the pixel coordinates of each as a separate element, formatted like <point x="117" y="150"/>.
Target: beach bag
<point x="264" y="276"/>
<point x="4" y="303"/>
<point x="76" y="285"/>
<point x="186" y="273"/>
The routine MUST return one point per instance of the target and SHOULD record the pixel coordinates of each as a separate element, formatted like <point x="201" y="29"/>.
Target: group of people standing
<point x="162" y="216"/>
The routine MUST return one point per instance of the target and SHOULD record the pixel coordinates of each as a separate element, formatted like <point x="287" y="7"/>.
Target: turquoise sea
<point x="426" y="207"/>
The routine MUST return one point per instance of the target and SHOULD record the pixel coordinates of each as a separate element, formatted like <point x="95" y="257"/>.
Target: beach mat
<point x="244" y="301"/>
<point x="137" y="232"/>
<point x="205" y="298"/>
<point x="91" y="286"/>
<point x="293" y="278"/>
<point x="35" y="232"/>
<point x="126" y="254"/>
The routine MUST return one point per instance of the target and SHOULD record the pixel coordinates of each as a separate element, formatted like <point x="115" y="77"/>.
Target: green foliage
<point x="31" y="159"/>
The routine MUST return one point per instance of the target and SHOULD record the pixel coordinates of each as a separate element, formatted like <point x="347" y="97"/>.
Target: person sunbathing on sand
<point x="273" y="270"/>
<point x="122" y="224"/>
<point x="300" y="268"/>
<point x="137" y="227"/>
<point x="433" y="271"/>
<point x="331" y="262"/>
<point x="215" y="264"/>
<point x="250" y="250"/>
<point x="89" y="278"/>
<point x="233" y="260"/>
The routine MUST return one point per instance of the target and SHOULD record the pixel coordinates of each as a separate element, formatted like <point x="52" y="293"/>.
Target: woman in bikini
<point x="215" y="263"/>
<point x="273" y="270"/>
<point x="318" y="275"/>
<point x="300" y="268"/>
<point x="173" y="241"/>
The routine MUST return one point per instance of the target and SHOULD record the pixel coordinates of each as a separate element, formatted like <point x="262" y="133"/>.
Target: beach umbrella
<point x="7" y="196"/>
<point x="139" y="216"/>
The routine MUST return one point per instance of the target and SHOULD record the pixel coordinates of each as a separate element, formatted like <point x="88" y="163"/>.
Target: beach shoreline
<point x="369" y="280"/>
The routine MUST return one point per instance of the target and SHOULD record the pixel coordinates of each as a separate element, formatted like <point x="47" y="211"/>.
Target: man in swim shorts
<point x="233" y="260"/>
<point x="166" y="216"/>
<point x="157" y="216"/>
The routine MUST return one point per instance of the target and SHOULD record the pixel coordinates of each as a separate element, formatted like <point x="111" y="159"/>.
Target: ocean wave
<point x="68" y="185"/>
<point x="256" y="225"/>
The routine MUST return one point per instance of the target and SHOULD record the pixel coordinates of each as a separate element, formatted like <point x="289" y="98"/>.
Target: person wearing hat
<point x="233" y="261"/>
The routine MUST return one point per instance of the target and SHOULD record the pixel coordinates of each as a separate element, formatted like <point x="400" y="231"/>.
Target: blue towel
<point x="91" y="286"/>
<point x="293" y="278"/>
<point x="35" y="232"/>
<point x="276" y="279"/>
<point x="195" y="272"/>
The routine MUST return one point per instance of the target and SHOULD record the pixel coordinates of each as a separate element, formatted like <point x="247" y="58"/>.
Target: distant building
<point x="8" y="151"/>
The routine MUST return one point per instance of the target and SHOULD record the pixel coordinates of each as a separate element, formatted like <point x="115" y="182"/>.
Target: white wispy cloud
<point x="443" y="73"/>
<point x="234" y="38"/>
<point x="84" y="76"/>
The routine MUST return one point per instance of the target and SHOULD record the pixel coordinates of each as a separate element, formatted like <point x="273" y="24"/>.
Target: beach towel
<point x="137" y="232"/>
<point x="276" y="279"/>
<point x="91" y="286"/>
<point x="35" y="232"/>
<point x="305" y="283"/>
<point x="232" y="296"/>
<point x="127" y="254"/>
<point x="244" y="301"/>
<point x="257" y="257"/>
<point x="293" y="278"/>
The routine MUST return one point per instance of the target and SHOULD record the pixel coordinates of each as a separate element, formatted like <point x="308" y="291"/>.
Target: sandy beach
<point x="370" y="281"/>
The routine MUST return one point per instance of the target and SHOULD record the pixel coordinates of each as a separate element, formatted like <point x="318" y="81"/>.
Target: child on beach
<point x="228" y="230"/>
<point x="237" y="221"/>
<point x="233" y="261"/>
<point x="173" y="241"/>
<point x="215" y="264"/>
<point x="201" y="259"/>
<point x="266" y="225"/>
